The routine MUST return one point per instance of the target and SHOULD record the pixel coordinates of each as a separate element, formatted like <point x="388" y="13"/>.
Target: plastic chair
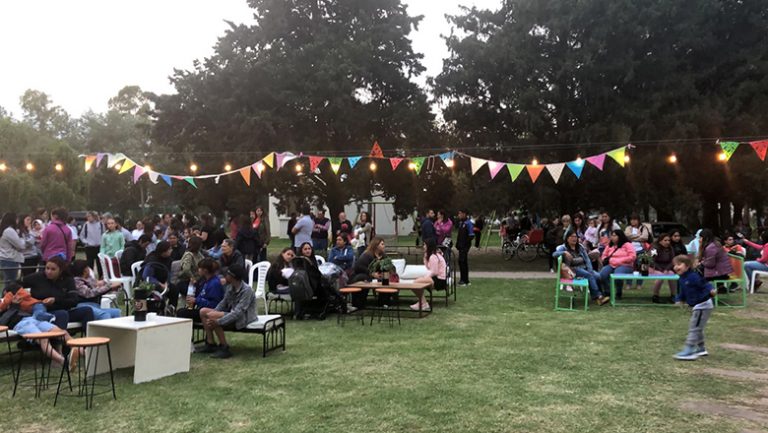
<point x="261" y="282"/>
<point x="118" y="254"/>
<point x="320" y="260"/>
<point x="738" y="277"/>
<point x="248" y="265"/>
<point x="577" y="283"/>
<point x="109" y="276"/>
<point x="755" y="274"/>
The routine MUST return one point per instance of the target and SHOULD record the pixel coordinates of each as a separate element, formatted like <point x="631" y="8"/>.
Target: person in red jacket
<point x="761" y="264"/>
<point x="618" y="257"/>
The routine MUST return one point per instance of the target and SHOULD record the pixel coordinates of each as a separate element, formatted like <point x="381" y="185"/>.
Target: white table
<point x="155" y="348"/>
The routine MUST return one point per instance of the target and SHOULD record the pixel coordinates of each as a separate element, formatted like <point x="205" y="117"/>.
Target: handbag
<point x="10" y="318"/>
<point x="608" y="259"/>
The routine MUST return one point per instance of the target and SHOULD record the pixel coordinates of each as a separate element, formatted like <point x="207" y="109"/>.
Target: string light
<point x="411" y="166"/>
<point x="260" y="167"/>
<point x="147" y="167"/>
<point x="373" y="166"/>
<point x="672" y="159"/>
<point x="579" y="161"/>
<point x="117" y="166"/>
<point x="535" y="161"/>
<point x="29" y="166"/>
<point x="298" y="168"/>
<point x="626" y="159"/>
<point x="58" y="167"/>
<point x="449" y="163"/>
<point x="3" y="167"/>
<point x="228" y="167"/>
<point x="722" y="157"/>
<point x="193" y="167"/>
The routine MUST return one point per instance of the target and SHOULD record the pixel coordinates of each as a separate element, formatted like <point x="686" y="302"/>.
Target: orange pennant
<point x="376" y="151"/>
<point x="246" y="173"/>
<point x="534" y="171"/>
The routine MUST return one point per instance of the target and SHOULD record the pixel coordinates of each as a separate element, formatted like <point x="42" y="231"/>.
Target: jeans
<point x="92" y="257"/>
<point x="320" y="245"/>
<point x="100" y="313"/>
<point x="605" y="277"/>
<point x="40" y="313"/>
<point x="77" y="314"/>
<point x="591" y="277"/>
<point x="10" y="271"/>
<point x="261" y="256"/>
<point x="464" y="265"/>
<point x="752" y="266"/>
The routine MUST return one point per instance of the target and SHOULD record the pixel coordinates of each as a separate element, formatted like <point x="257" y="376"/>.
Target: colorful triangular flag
<point x="446" y="156"/>
<point x="395" y="162"/>
<point x="476" y="163"/>
<point x="89" y="162"/>
<point x="167" y="179"/>
<point x="729" y="148"/>
<point x="556" y="170"/>
<point x="576" y="167"/>
<point x="618" y="155"/>
<point x="153" y="177"/>
<point x="534" y="171"/>
<point x="137" y="172"/>
<point x="760" y="148"/>
<point x="494" y="168"/>
<point x="597" y="160"/>
<point x="99" y="157"/>
<point x="314" y="162"/>
<point x="191" y="181"/>
<point x="376" y="151"/>
<point x="127" y="165"/>
<point x="270" y="160"/>
<point x="258" y="167"/>
<point x="335" y="164"/>
<point x="114" y="158"/>
<point x="246" y="173"/>
<point x="353" y="160"/>
<point x="514" y="170"/>
<point x="418" y="163"/>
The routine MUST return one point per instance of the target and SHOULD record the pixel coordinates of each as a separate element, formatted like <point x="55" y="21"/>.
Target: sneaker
<point x="424" y="307"/>
<point x="603" y="300"/>
<point x="656" y="299"/>
<point x="701" y="350"/>
<point x="689" y="353"/>
<point x="351" y="308"/>
<point x="551" y="271"/>
<point x="206" y="348"/>
<point x="222" y="353"/>
<point x="415" y="306"/>
<point x="758" y="283"/>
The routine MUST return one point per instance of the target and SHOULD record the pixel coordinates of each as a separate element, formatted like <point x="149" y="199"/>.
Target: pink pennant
<point x="597" y="160"/>
<point x="494" y="168"/>
<point x="99" y="157"/>
<point x="280" y="157"/>
<point x="255" y="168"/>
<point x="137" y="172"/>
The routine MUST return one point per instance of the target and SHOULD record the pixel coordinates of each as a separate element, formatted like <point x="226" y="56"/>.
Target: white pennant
<point x="476" y="163"/>
<point x="153" y="176"/>
<point x="555" y="170"/>
<point x="114" y="158"/>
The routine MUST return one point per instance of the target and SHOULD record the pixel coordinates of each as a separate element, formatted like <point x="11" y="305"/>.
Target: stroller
<point x="325" y="281"/>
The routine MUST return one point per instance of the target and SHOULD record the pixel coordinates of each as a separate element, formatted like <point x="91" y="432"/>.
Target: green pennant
<point x="418" y="163"/>
<point x="515" y="170"/>
<point x="335" y="164"/>
<point x="729" y="148"/>
<point x="191" y="181"/>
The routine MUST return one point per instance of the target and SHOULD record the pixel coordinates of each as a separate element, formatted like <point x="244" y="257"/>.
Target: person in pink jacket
<point x="57" y="238"/>
<point x="435" y="264"/>
<point x="443" y="226"/>
<point x="761" y="264"/>
<point x="618" y="257"/>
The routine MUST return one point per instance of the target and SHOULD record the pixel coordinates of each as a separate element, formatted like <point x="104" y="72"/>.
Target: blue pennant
<point x="167" y="179"/>
<point x="353" y="160"/>
<point x="576" y="167"/>
<point x="446" y="155"/>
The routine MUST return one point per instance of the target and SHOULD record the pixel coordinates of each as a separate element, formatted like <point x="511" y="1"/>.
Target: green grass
<point x="499" y="360"/>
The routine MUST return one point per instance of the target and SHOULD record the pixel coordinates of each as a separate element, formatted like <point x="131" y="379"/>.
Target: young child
<point x="89" y="291"/>
<point x="697" y="292"/>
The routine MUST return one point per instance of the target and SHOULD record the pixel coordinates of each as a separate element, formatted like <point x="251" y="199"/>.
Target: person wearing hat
<point x="235" y="311"/>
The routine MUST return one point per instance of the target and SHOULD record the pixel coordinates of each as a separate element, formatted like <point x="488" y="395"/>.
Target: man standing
<point x="320" y="232"/>
<point x="463" y="243"/>
<point x="90" y="236"/>
<point x="343" y="225"/>
<point x="57" y="238"/>
<point x="478" y="229"/>
<point x="303" y="229"/>
<point x="428" y="227"/>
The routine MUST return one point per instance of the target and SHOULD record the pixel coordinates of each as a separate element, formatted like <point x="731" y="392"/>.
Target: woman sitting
<point x="717" y="264"/>
<point x="55" y="287"/>
<point x="230" y="256"/>
<point x="435" y="263"/>
<point x="761" y="264"/>
<point x="157" y="270"/>
<point x="208" y="290"/>
<point x="342" y="253"/>
<point x="676" y="242"/>
<point x="662" y="265"/>
<point x="375" y="251"/>
<point x="638" y="234"/>
<point x="307" y="262"/>
<point x="89" y="291"/>
<point x="576" y="257"/>
<point x="279" y="272"/>
<point x="618" y="257"/>
<point x="188" y="271"/>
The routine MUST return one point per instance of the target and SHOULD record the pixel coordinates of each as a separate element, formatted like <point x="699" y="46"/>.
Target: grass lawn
<point x="499" y="360"/>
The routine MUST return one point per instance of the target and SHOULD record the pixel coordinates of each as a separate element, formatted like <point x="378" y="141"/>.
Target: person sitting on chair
<point x="89" y="291"/>
<point x="277" y="277"/>
<point x="342" y="254"/>
<point x="208" y="290"/>
<point x="437" y="277"/>
<point x="234" y="312"/>
<point x="576" y="257"/>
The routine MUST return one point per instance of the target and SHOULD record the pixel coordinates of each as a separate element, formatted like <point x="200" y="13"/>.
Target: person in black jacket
<point x="463" y="243"/>
<point x="229" y="256"/>
<point x="134" y="251"/>
<point x="275" y="279"/>
<point x="428" y="227"/>
<point x="55" y="287"/>
<point x="247" y="238"/>
<point x="479" y="226"/>
<point x="307" y="261"/>
<point x="177" y="248"/>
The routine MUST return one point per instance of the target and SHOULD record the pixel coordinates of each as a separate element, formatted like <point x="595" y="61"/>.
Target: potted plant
<point x="384" y="267"/>
<point x="140" y="295"/>
<point x="644" y="260"/>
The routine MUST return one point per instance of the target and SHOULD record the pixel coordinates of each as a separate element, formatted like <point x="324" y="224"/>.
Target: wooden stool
<point x="347" y="292"/>
<point x="44" y="361"/>
<point x="394" y="296"/>
<point x="11" y="368"/>
<point x="88" y="344"/>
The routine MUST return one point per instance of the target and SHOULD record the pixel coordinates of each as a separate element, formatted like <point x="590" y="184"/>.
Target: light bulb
<point x="449" y="163"/>
<point x="58" y="167"/>
<point x="672" y="159"/>
<point x="29" y="166"/>
<point x="373" y="166"/>
<point x="535" y="161"/>
<point x="228" y="167"/>
<point x="193" y="167"/>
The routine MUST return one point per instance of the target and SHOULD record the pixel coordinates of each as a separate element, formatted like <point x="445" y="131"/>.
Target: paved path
<point x="512" y="275"/>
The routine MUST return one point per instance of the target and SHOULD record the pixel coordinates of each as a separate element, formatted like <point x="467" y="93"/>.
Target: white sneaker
<point x="351" y="308"/>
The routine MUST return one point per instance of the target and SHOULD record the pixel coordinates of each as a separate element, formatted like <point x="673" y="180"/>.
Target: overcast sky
<point x="81" y="52"/>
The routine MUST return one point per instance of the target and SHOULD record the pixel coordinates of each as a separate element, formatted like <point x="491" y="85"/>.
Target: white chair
<point x="135" y="268"/>
<point x="320" y="260"/>
<point x="261" y="282"/>
<point x="248" y="265"/>
<point x="753" y="277"/>
<point x="118" y="254"/>
<point x="399" y="266"/>
<point x="110" y="277"/>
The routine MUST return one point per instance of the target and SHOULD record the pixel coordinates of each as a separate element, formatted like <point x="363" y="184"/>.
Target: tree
<point x="39" y="112"/>
<point x="312" y="76"/>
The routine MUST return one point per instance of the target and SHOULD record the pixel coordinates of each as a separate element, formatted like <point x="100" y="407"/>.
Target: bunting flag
<point x="257" y="168"/>
<point x="534" y="171"/>
<point x="314" y="162"/>
<point x="760" y="148"/>
<point x="127" y="165"/>
<point x="113" y="159"/>
<point x="618" y="155"/>
<point x="445" y="157"/>
<point x="89" y="162"/>
<point x="376" y="151"/>
<point x="137" y="172"/>
<point x="99" y="157"/>
<point x="576" y="167"/>
<point x="556" y="170"/>
<point x="476" y="163"/>
<point x="418" y="163"/>
<point x="353" y="160"/>
<point x="246" y="173"/>
<point x="283" y="158"/>
<point x="395" y="162"/>
<point x="153" y="177"/>
<point x="515" y="170"/>
<point x="167" y="179"/>
<point x="729" y="148"/>
<point x="191" y="181"/>
<point x="270" y="160"/>
<point x="335" y="164"/>
<point x="494" y="168"/>
<point x="597" y="160"/>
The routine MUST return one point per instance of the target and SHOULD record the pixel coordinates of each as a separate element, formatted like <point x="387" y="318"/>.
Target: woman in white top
<point x="11" y="247"/>
<point x="437" y="277"/>
<point x="363" y="232"/>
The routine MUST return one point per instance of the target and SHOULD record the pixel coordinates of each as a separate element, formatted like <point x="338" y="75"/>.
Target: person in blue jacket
<point x="577" y="258"/>
<point x="697" y="292"/>
<point x="208" y="291"/>
<point x="342" y="254"/>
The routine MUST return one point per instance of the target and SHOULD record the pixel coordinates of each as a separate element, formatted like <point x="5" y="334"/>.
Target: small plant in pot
<point x="384" y="267"/>
<point x="140" y="295"/>
<point x="644" y="260"/>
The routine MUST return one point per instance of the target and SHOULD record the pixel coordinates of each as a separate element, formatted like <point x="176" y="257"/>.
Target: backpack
<point x="299" y="286"/>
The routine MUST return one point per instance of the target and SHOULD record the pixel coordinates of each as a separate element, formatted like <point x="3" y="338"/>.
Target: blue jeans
<point x="320" y="245"/>
<point x="40" y="313"/>
<point x="752" y="266"/>
<point x="10" y="271"/>
<point x="605" y="277"/>
<point x="100" y="313"/>
<point x="591" y="278"/>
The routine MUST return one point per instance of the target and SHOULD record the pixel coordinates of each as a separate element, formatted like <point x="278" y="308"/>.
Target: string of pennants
<point x="277" y="161"/>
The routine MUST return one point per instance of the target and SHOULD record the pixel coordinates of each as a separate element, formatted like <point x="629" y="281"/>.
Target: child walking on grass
<point x="697" y="292"/>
